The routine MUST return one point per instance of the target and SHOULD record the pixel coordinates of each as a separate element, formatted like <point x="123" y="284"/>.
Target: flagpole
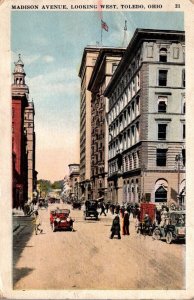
<point x="101" y="31"/>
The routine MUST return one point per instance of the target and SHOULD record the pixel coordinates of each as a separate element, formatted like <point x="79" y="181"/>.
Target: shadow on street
<point x="20" y="273"/>
<point x="20" y="241"/>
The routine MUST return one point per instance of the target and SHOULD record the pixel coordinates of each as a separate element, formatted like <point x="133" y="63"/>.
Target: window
<point x="161" y="195"/>
<point x="183" y="78"/>
<point x="162" y="131"/>
<point x="114" y="66"/>
<point x="184" y="108"/>
<point x="183" y="156"/>
<point x="162" y="78"/>
<point x="162" y="107"/>
<point x="163" y="55"/>
<point x="161" y="157"/>
<point x="183" y="131"/>
<point x="162" y="104"/>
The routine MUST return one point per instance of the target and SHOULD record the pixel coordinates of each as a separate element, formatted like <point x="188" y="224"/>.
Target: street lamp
<point x="143" y="174"/>
<point x="178" y="162"/>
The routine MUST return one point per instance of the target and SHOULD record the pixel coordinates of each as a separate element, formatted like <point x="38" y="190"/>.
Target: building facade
<point x="74" y="178"/>
<point x="23" y="149"/>
<point x="106" y="63"/>
<point x="147" y="120"/>
<point x="87" y="64"/>
<point x="30" y="134"/>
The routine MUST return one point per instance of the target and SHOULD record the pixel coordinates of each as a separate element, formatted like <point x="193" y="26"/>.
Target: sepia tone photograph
<point x="98" y="148"/>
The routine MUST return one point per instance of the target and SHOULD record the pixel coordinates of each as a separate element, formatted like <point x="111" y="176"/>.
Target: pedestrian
<point x="107" y="207"/>
<point x="113" y="209"/>
<point x="129" y="209"/>
<point x="126" y="223"/>
<point x="117" y="209"/>
<point x="37" y="221"/>
<point x="102" y="209"/>
<point x="158" y="216"/>
<point x="115" y="229"/>
<point x="122" y="210"/>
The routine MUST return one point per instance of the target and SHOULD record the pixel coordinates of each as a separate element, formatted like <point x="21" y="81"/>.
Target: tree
<point x="57" y="185"/>
<point x="44" y="186"/>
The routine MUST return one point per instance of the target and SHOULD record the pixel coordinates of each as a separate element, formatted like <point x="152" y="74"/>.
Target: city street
<point x="88" y="259"/>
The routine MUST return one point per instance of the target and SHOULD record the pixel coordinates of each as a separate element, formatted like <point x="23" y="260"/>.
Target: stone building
<point x="74" y="178"/>
<point x="106" y="63"/>
<point x="87" y="64"/>
<point x="147" y="120"/>
<point x="30" y="134"/>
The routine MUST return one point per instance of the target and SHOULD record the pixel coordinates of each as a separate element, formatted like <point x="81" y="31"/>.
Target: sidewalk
<point x="19" y="220"/>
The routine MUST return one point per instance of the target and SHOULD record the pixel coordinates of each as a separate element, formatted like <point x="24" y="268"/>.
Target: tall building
<point x="87" y="64"/>
<point x="23" y="147"/>
<point x="30" y="134"/>
<point x="106" y="63"/>
<point x="147" y="120"/>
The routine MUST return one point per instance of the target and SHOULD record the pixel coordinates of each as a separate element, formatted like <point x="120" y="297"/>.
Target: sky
<point x="51" y="45"/>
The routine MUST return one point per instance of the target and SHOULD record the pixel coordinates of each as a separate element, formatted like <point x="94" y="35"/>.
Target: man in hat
<point x="126" y="223"/>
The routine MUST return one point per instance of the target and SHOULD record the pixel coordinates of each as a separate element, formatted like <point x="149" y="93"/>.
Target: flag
<point x="104" y="25"/>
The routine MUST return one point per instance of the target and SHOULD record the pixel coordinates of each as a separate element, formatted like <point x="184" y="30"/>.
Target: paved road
<point x="88" y="259"/>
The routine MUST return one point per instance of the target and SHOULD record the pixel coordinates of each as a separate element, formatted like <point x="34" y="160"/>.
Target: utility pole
<point x="178" y="160"/>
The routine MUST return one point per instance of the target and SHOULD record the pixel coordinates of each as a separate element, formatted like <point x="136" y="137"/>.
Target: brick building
<point x="23" y="146"/>
<point x="147" y="120"/>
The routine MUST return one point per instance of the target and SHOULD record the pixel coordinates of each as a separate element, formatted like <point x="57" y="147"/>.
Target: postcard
<point x="96" y="123"/>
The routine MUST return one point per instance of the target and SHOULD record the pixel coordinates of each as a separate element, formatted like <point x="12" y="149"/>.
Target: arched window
<point x="161" y="195"/>
<point x="161" y="190"/>
<point x="163" y="55"/>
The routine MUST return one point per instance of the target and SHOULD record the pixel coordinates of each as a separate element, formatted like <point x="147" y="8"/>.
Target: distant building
<point x="147" y="120"/>
<point x="74" y="178"/>
<point x="66" y="188"/>
<point x="87" y="64"/>
<point x="23" y="142"/>
<point x="106" y="63"/>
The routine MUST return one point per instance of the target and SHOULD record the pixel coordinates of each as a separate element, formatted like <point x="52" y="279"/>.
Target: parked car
<point x="173" y="230"/>
<point x="60" y="219"/>
<point x="91" y="209"/>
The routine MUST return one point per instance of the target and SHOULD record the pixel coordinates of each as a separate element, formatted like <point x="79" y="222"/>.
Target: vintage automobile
<point x="76" y="205"/>
<point x="173" y="229"/>
<point x="91" y="209"/>
<point x="146" y="217"/>
<point x="60" y="219"/>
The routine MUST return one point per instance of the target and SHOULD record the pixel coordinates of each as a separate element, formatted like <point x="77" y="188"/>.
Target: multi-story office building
<point x="105" y="66"/>
<point x="87" y="64"/>
<point x="147" y="119"/>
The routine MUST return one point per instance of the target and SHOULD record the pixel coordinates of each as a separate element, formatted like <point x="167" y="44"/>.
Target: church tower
<point x="19" y="87"/>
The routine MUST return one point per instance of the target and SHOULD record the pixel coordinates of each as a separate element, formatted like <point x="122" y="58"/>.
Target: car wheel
<point x="53" y="227"/>
<point x="156" y="234"/>
<point x="169" y="237"/>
